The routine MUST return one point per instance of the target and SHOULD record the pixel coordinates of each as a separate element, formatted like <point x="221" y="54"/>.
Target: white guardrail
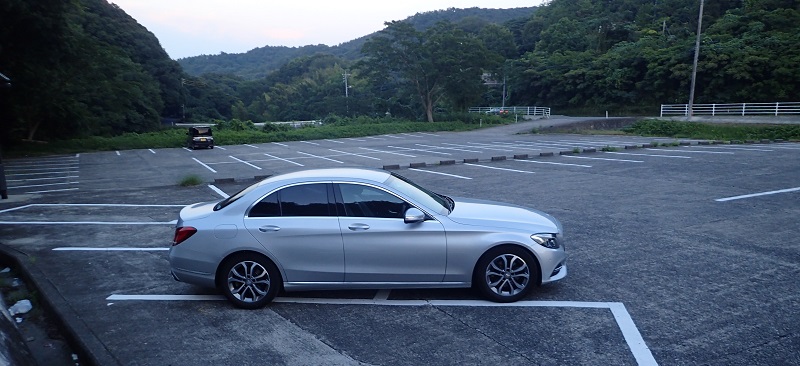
<point x="527" y="111"/>
<point x="732" y="109"/>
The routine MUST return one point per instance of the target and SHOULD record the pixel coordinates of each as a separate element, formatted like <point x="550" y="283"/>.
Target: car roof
<point x="364" y="174"/>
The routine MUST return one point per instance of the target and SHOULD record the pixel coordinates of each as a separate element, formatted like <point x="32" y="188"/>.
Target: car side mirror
<point x="413" y="216"/>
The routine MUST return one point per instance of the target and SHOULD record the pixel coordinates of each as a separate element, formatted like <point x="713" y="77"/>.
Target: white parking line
<point x="43" y="185"/>
<point x="510" y="145"/>
<point x="118" y="154"/>
<point x="15" y="169"/>
<point x="476" y="146"/>
<point x="338" y="142"/>
<point x="732" y="148"/>
<point x="32" y="205"/>
<point x="428" y="134"/>
<point x="165" y="297"/>
<point x="152" y="151"/>
<point x="204" y="164"/>
<point x="360" y="156"/>
<point x="446" y="148"/>
<point x="309" y="142"/>
<point x="388" y="152"/>
<point x="131" y="249"/>
<point x="626" y="325"/>
<point x="423" y="150"/>
<point x="553" y="163"/>
<point x="43" y="173"/>
<point x="280" y="144"/>
<point x="54" y="190"/>
<point x="655" y="155"/>
<point x="392" y="136"/>
<point x="781" y="147"/>
<point x="173" y="222"/>
<point x="27" y="166"/>
<point x="320" y="157"/>
<point x="220" y="147"/>
<point x="439" y="173"/>
<point x="757" y="194"/>
<point x="586" y="157"/>
<point x="282" y="159"/>
<point x="698" y="152"/>
<point x="218" y="191"/>
<point x="496" y="168"/>
<point x="253" y="146"/>
<point x="35" y="179"/>
<point x="242" y="161"/>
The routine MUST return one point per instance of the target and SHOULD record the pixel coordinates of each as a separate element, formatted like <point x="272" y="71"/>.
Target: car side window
<point x="267" y="207"/>
<point x="299" y="200"/>
<point x="365" y="201"/>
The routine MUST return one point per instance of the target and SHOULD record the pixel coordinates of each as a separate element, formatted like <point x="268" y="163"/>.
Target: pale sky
<point x="194" y="27"/>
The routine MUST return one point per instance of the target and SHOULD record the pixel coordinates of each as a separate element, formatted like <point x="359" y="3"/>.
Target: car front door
<point x="299" y="227"/>
<point x="379" y="246"/>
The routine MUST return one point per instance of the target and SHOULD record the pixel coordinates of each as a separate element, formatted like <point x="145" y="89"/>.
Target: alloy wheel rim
<point x="507" y="275"/>
<point x="248" y="281"/>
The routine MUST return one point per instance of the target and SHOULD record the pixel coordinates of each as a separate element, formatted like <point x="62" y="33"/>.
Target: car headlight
<point x="546" y="240"/>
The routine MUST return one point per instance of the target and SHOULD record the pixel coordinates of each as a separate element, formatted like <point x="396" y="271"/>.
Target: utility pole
<point x="696" y="56"/>
<point x="346" y="93"/>
<point x="346" y="87"/>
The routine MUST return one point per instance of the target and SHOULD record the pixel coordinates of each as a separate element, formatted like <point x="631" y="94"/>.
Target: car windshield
<point x="441" y="204"/>
<point x="235" y="197"/>
<point x="202" y="131"/>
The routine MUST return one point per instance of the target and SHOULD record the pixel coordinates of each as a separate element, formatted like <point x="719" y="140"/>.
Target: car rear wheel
<point x="249" y="281"/>
<point x="506" y="274"/>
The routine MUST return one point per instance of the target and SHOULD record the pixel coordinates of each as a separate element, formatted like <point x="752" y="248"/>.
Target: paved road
<point x="679" y="255"/>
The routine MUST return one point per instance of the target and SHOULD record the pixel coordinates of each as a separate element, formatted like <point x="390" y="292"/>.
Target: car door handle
<point x="268" y="228"/>
<point x="358" y="227"/>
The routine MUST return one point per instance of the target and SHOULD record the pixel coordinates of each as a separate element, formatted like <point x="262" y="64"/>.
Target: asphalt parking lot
<point x="678" y="255"/>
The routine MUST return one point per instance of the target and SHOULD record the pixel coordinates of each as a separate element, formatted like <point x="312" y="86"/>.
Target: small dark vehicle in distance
<point x="199" y="136"/>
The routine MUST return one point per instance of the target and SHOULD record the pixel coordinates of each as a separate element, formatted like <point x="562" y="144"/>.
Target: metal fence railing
<point x="732" y="109"/>
<point x="527" y="111"/>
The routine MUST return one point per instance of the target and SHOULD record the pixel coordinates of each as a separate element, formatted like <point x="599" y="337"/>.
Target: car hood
<point x="469" y="211"/>
<point x="197" y="210"/>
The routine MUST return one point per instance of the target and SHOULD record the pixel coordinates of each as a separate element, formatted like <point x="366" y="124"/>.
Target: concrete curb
<point x="90" y="350"/>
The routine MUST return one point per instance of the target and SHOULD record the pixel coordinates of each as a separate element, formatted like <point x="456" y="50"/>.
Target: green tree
<point x="434" y="63"/>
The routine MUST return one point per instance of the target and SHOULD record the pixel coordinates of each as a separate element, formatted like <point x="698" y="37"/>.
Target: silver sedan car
<point x="362" y="229"/>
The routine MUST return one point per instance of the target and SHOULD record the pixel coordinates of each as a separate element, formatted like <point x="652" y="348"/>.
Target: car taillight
<point x="183" y="233"/>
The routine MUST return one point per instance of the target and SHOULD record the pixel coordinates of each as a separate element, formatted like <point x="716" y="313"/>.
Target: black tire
<point x="506" y="274"/>
<point x="249" y="281"/>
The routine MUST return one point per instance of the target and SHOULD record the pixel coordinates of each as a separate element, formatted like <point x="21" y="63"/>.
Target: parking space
<point x="42" y="175"/>
<point x="661" y="269"/>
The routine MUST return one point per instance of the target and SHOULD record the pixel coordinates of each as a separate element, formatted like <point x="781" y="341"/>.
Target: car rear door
<point x="299" y="227"/>
<point x="379" y="246"/>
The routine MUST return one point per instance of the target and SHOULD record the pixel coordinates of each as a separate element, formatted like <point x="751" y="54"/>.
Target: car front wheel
<point x="506" y="274"/>
<point x="249" y="281"/>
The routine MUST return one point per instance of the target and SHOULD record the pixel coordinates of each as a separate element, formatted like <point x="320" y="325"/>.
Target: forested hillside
<point x="81" y="68"/>
<point x="84" y="67"/>
<point x="588" y="55"/>
<point x="629" y="53"/>
<point x="259" y="62"/>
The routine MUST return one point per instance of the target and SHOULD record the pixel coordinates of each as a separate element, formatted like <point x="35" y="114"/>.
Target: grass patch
<point x="190" y="181"/>
<point x="609" y="148"/>
<point x="713" y="131"/>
